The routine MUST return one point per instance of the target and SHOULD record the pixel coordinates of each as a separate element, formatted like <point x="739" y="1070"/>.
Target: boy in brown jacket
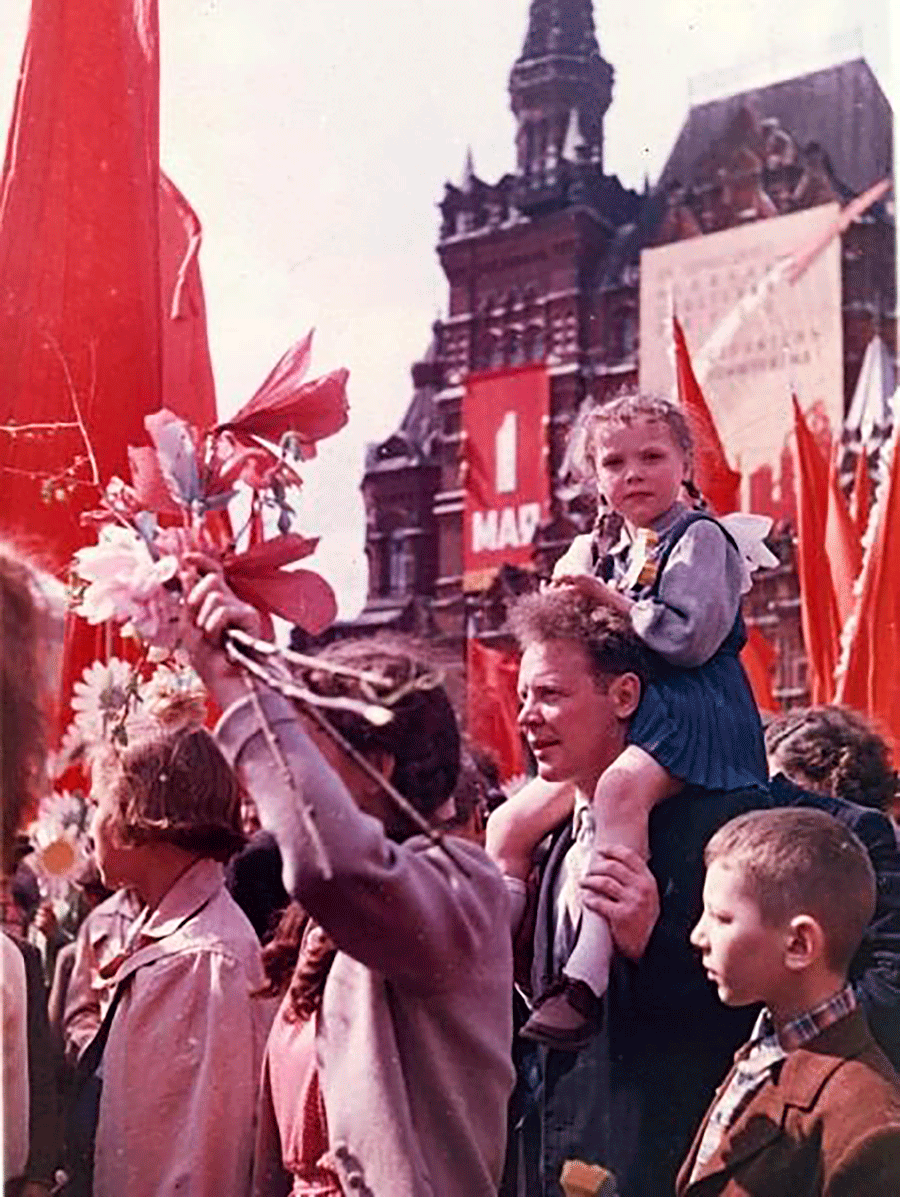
<point x="811" y="1107"/>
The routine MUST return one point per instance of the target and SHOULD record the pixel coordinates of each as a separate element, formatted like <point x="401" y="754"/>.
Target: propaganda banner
<point x="505" y="425"/>
<point x="756" y="336"/>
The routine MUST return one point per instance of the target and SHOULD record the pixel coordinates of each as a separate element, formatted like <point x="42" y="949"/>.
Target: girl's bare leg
<point x="626" y="794"/>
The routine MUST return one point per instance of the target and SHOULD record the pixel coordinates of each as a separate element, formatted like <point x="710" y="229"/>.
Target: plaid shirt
<point x="759" y="1061"/>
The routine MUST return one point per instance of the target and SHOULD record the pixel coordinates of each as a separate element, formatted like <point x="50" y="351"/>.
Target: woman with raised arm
<point x="388" y="1069"/>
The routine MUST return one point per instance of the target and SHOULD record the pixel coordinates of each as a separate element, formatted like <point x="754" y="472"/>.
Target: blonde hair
<point x="624" y="411"/>
<point x="797" y="860"/>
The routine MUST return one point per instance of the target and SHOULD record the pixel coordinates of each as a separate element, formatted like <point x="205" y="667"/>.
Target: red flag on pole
<point x="493" y="705"/>
<point x="100" y="296"/>
<point x="843" y="545"/>
<point x="719" y="484"/>
<point x="868" y="679"/>
<point x="861" y="497"/>
<point x="819" y="615"/>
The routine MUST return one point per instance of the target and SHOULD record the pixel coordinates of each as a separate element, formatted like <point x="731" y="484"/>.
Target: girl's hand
<point x="596" y="591"/>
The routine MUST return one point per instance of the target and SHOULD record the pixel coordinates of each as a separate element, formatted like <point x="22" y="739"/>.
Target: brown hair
<point x="560" y="613"/>
<point x="423" y="740"/>
<point x="422" y="737"/>
<point x="177" y="788"/>
<point x="796" y="861"/>
<point x="834" y="750"/>
<point x="24" y="624"/>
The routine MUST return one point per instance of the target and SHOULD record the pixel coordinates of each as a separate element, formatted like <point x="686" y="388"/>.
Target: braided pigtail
<point x="607" y="530"/>
<point x="695" y="494"/>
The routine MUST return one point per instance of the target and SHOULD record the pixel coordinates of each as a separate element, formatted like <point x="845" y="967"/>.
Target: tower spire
<point x="560" y="70"/>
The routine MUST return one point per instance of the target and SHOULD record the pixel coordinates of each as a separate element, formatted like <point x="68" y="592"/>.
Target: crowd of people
<point x="671" y="961"/>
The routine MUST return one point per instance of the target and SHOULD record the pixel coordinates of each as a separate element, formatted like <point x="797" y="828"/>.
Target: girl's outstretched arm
<point x="516" y="828"/>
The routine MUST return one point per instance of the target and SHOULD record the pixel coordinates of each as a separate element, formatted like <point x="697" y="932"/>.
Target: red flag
<point x="187" y="381"/>
<point x="843" y="545"/>
<point x="758" y="659"/>
<point x="861" y="497"/>
<point x="719" y="484"/>
<point x="100" y="297"/>
<point x="869" y="679"/>
<point x="819" y="614"/>
<point x="493" y="705"/>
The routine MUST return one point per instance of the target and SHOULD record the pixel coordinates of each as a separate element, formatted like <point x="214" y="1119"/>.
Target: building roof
<point x="842" y="108"/>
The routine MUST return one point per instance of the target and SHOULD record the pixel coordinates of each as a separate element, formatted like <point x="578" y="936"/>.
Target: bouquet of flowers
<point x="178" y="500"/>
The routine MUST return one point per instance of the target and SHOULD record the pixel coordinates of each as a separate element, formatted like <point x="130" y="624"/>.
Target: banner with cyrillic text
<point x="505" y="420"/>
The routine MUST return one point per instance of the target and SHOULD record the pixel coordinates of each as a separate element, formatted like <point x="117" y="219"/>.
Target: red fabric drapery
<point x="101" y="306"/>
<point x="493" y="705"/>
<point x="870" y="681"/>
<point x="719" y="484"/>
<point x="828" y="556"/>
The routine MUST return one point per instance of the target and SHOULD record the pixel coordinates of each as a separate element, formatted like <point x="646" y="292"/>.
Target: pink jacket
<point x="182" y="1064"/>
<point x="414" y="1035"/>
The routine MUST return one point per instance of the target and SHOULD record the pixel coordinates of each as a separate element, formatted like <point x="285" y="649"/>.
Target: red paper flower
<point x="286" y="406"/>
<point x="299" y="596"/>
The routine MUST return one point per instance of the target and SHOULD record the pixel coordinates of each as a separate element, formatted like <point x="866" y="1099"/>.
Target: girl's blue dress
<point x="700" y="723"/>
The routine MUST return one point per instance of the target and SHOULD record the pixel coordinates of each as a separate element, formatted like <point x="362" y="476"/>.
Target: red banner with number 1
<point x="505" y="419"/>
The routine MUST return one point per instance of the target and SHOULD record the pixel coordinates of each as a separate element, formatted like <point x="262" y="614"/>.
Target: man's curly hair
<point x="561" y="613"/>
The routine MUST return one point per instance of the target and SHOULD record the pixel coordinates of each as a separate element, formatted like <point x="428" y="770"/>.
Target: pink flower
<point x="126" y="584"/>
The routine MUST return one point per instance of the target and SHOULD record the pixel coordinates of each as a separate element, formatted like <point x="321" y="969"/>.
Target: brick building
<point x="543" y="265"/>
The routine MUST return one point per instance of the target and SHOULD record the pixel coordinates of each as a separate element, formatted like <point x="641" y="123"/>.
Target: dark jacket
<point x="875" y="971"/>
<point x="253" y="878"/>
<point x="632" y="1099"/>
<point x="827" y="1126"/>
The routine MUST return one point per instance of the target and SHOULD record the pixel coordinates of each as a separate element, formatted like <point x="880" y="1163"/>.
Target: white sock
<point x="590" y="958"/>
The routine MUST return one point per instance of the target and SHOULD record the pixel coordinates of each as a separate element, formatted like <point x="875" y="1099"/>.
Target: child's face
<point x="640" y="469"/>
<point x="742" y="955"/>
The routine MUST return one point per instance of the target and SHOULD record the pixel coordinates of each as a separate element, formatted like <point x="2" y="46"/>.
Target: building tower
<point x="543" y="266"/>
<point x="523" y="258"/>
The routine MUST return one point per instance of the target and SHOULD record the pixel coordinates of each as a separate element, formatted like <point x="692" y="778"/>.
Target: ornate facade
<point x="544" y="265"/>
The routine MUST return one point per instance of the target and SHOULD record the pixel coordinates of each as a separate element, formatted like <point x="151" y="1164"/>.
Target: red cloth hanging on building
<point x="758" y="658"/>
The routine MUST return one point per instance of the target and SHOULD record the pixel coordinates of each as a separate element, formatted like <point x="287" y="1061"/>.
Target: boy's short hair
<point x="800" y="861"/>
<point x="610" y="643"/>
<point x="177" y="788"/>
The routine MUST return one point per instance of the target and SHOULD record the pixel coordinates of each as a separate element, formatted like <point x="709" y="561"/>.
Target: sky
<point x="314" y="138"/>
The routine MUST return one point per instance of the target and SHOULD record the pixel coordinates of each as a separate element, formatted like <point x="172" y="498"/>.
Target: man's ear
<point x="625" y="692"/>
<point x="804" y="943"/>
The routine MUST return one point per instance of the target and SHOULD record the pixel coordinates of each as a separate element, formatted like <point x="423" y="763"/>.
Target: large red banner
<point x="505" y="419"/>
